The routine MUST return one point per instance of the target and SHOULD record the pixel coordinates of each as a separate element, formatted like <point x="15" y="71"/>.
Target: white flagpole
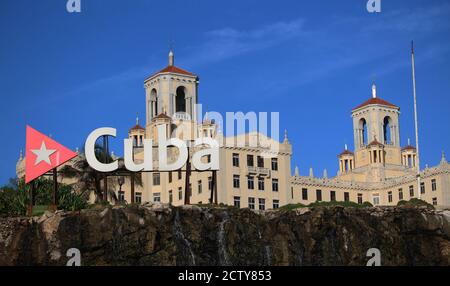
<point x="415" y="120"/>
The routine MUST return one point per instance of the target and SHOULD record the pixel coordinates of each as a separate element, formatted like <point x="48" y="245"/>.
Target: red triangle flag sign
<point x="43" y="154"/>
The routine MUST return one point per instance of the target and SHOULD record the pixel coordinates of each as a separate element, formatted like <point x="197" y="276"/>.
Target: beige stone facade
<point x="253" y="175"/>
<point x="380" y="171"/>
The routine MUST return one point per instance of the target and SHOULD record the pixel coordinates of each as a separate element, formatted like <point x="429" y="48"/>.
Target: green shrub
<point x="340" y="203"/>
<point x="292" y="206"/>
<point x="367" y="205"/>
<point x="14" y="199"/>
<point x="327" y="204"/>
<point x="415" y="202"/>
<point x="13" y="202"/>
<point x="68" y="200"/>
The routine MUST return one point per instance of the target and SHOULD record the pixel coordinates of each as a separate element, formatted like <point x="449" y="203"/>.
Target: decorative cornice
<point x="369" y="186"/>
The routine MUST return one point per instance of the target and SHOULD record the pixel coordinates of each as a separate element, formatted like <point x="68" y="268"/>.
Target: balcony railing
<point x="260" y="171"/>
<point x="181" y="116"/>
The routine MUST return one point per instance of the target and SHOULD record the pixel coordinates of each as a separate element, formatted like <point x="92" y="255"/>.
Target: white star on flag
<point x="43" y="154"/>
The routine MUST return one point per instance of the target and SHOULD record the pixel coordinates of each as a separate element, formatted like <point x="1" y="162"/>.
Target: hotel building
<point x="256" y="175"/>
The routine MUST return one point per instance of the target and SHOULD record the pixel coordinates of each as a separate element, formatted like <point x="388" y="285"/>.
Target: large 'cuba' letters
<point x="163" y="144"/>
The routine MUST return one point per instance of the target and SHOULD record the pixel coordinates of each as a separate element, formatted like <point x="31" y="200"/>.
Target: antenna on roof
<point x="415" y="117"/>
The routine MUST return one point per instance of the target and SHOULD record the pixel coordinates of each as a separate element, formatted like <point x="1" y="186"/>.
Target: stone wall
<point x="190" y="235"/>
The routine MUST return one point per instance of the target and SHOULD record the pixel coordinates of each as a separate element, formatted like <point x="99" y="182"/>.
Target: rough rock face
<point x="190" y="235"/>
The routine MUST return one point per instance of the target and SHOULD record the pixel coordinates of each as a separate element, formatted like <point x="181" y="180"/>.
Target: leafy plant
<point x="90" y="179"/>
<point x="415" y="202"/>
<point x="327" y="204"/>
<point x="14" y="199"/>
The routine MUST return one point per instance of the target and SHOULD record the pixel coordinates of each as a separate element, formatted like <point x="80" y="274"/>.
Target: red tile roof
<point x="137" y="127"/>
<point x="409" y="147"/>
<point x="346" y="152"/>
<point x="162" y="116"/>
<point x="375" y="143"/>
<point x="378" y="101"/>
<point x="173" y="69"/>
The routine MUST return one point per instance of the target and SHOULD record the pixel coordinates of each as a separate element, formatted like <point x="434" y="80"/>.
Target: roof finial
<point x="311" y="172"/>
<point x="443" y="160"/>
<point x="171" y="56"/>
<point x="21" y="154"/>
<point x="345" y="147"/>
<point x="285" y="136"/>
<point x="409" y="142"/>
<point x="137" y="119"/>
<point x="325" y="174"/>
<point x="374" y="91"/>
<point x="297" y="171"/>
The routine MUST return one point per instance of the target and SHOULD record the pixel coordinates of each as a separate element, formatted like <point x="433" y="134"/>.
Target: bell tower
<point x="172" y="91"/>
<point x="376" y="121"/>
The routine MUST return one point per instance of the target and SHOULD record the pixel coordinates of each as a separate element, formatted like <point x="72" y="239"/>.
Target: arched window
<point x="180" y="99"/>
<point x="154" y="98"/>
<point x="363" y="130"/>
<point x="387" y="130"/>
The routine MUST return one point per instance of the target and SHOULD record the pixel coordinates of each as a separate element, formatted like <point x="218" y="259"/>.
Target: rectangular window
<point x="179" y="174"/>
<point x="422" y="187"/>
<point x="390" y="197"/>
<point x="276" y="204"/>
<point x="346" y="197"/>
<point x="190" y="190"/>
<point x="260" y="161"/>
<point x="138" y="197"/>
<point x="292" y="192"/>
<point x="235" y="160"/>
<point x="121" y="196"/>
<point x="434" y="201"/>
<point x="274" y="164"/>
<point x="209" y="183"/>
<point x="318" y="195"/>
<point x="170" y="177"/>
<point x="251" y="203"/>
<point x="360" y="199"/>
<point x="237" y="202"/>
<point x="170" y="197"/>
<point x="236" y="181"/>
<point x="180" y="194"/>
<point x="433" y="185"/>
<point x="274" y="185"/>
<point x="199" y="187"/>
<point x="156" y="179"/>
<point x="250" y="183"/>
<point x="333" y="196"/>
<point x="400" y="194"/>
<point x="157" y="197"/>
<point x="305" y="194"/>
<point x="262" y="204"/>
<point x="411" y="191"/>
<point x="261" y="184"/>
<point x="376" y="199"/>
<point x="250" y="160"/>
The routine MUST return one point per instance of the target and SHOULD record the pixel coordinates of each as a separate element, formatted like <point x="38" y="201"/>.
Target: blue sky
<point x="312" y="61"/>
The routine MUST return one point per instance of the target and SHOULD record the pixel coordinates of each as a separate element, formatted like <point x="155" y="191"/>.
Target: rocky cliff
<point x="191" y="235"/>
